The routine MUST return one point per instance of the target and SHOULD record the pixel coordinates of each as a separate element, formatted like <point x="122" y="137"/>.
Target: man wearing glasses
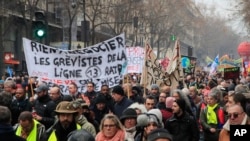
<point x="236" y="116"/>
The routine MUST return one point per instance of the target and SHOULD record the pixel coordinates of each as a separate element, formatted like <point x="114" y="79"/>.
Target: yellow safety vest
<point x="52" y="136"/>
<point x="33" y="134"/>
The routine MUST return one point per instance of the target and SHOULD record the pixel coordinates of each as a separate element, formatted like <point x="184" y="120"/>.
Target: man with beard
<point x="182" y="125"/>
<point x="66" y="115"/>
<point x="43" y="106"/>
<point x="19" y="104"/>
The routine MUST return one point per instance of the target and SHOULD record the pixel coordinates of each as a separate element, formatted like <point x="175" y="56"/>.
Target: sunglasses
<point x="233" y="115"/>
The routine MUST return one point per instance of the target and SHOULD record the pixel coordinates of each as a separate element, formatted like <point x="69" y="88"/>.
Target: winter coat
<point x="18" y="106"/>
<point x="121" y="106"/>
<point x="45" y="108"/>
<point x="183" y="128"/>
<point x="8" y="134"/>
<point x="82" y="120"/>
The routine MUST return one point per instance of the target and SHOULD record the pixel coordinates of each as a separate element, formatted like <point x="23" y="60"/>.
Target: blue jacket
<point x="121" y="106"/>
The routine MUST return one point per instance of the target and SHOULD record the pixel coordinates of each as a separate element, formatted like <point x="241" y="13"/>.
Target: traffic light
<point x="85" y="31"/>
<point x="173" y="37"/>
<point x="39" y="25"/>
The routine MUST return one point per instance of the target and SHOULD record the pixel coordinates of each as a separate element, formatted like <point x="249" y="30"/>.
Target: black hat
<point x="80" y="135"/>
<point x="159" y="133"/>
<point x="181" y="103"/>
<point x="118" y="90"/>
<point x="128" y="113"/>
<point x="100" y="99"/>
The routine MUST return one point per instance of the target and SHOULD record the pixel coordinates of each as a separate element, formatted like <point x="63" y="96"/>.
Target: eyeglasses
<point x="233" y="115"/>
<point x="109" y="125"/>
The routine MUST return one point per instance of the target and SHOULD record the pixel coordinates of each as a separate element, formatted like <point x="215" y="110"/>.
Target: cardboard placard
<point x="231" y="73"/>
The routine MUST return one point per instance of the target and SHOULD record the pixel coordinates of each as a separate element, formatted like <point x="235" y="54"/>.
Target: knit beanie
<point x="159" y="133"/>
<point x="118" y="90"/>
<point x="100" y="99"/>
<point x="158" y="114"/>
<point x="154" y="86"/>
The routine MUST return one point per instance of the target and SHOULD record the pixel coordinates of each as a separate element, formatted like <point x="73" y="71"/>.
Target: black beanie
<point x="118" y="90"/>
<point x="159" y="133"/>
<point x="181" y="103"/>
<point x="100" y="99"/>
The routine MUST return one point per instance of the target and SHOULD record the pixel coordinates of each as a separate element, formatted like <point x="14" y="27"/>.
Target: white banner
<point x="100" y="63"/>
<point x="135" y="56"/>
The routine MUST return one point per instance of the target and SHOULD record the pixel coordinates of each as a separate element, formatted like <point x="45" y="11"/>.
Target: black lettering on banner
<point x="104" y="47"/>
<point x="93" y="72"/>
<point x="60" y="72"/>
<point x="239" y="132"/>
<point x="120" y="42"/>
<point x="77" y="61"/>
<point x="111" y="81"/>
<point x="109" y="70"/>
<point x="156" y="74"/>
<point x="111" y="58"/>
<point x="112" y="44"/>
<point x="41" y="61"/>
<point x="85" y="81"/>
<point x="116" y="57"/>
<point x="36" y="47"/>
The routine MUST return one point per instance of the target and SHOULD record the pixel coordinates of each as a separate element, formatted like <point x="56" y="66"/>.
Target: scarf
<point x="119" y="136"/>
<point x="211" y="115"/>
<point x="130" y="133"/>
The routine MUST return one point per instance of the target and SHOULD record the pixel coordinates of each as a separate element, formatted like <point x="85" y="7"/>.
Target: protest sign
<point x="231" y="73"/>
<point x="135" y="56"/>
<point x="101" y="63"/>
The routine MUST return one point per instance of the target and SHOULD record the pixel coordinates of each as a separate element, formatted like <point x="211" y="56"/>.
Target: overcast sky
<point x="225" y="8"/>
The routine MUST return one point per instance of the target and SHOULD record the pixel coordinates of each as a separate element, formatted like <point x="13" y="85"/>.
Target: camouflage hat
<point x="65" y="107"/>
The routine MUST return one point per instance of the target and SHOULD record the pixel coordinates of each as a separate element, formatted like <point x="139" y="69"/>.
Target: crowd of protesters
<point x="201" y="108"/>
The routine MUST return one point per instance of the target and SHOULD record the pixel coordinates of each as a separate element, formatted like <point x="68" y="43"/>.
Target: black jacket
<point x="183" y="128"/>
<point x="8" y="134"/>
<point x="45" y="108"/>
<point x="18" y="106"/>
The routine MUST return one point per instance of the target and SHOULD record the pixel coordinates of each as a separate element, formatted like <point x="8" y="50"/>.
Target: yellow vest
<point x="52" y="136"/>
<point x="33" y="134"/>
